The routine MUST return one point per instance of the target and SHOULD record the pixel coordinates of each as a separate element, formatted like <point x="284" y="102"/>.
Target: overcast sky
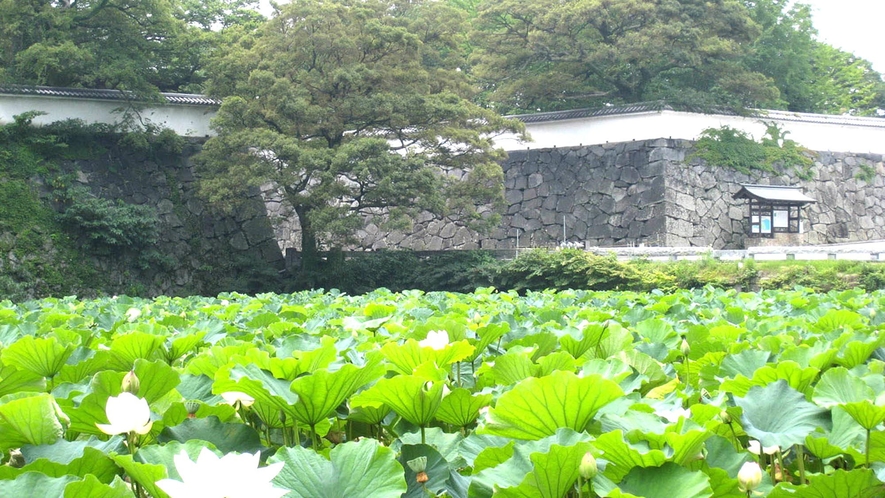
<point x="853" y="25"/>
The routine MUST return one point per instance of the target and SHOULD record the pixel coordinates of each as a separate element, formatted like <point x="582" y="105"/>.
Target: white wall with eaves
<point x="814" y="131"/>
<point x="185" y="120"/>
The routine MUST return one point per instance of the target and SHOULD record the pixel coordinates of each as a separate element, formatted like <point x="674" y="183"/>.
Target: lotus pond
<point x="704" y="393"/>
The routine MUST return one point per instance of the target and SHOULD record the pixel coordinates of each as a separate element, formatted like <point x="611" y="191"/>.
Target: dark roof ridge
<point x="103" y="94"/>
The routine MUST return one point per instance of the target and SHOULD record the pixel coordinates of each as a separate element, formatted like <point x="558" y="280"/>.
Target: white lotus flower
<point x="436" y="339"/>
<point x="234" y="397"/>
<point x="231" y="476"/>
<point x="749" y="477"/>
<point x="127" y="413"/>
<point x="132" y="314"/>
<point x="758" y="449"/>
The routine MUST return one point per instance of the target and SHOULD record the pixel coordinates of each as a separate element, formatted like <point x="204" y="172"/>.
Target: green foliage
<point x="549" y="55"/>
<point x="866" y="173"/>
<point x="731" y="148"/>
<point x="363" y="117"/>
<point x="575" y="269"/>
<point x="140" y="46"/>
<point x="109" y="225"/>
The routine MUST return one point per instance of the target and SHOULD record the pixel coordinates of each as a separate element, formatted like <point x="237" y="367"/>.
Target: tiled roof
<point x="101" y="94"/>
<point x="589" y="113"/>
<point x="641" y="107"/>
<point x="773" y="193"/>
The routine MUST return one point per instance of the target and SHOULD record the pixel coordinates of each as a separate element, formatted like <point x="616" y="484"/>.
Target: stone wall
<point x="650" y="193"/>
<point x="197" y="244"/>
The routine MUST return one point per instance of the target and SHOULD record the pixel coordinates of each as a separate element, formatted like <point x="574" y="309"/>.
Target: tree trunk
<point x="310" y="257"/>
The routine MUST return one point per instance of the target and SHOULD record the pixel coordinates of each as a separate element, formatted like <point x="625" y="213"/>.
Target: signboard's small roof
<point x="774" y="194"/>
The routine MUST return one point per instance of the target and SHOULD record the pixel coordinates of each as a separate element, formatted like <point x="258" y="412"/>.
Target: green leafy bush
<point x="107" y="224"/>
<point x="735" y="149"/>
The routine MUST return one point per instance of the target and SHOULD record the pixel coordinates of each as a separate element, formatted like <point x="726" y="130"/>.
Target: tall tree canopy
<point x="354" y="107"/>
<point x="138" y="45"/>
<point x="551" y="54"/>
<point x="811" y="76"/>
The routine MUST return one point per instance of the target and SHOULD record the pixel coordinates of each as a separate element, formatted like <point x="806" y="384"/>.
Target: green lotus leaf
<point x="13" y="380"/>
<point x="408" y="356"/>
<point x="646" y="366"/>
<point x="91" y="409"/>
<point x="528" y="460"/>
<point x="460" y="408"/>
<point x="35" y="484"/>
<point x="838" y="386"/>
<point x="318" y="357"/>
<point x="744" y="363"/>
<point x="670" y="480"/>
<point x="27" y="418"/>
<point x="538" y="407"/>
<point x="126" y="348"/>
<point x="228" y="437"/>
<point x="655" y="330"/>
<point x="778" y="415"/>
<point x="91" y="487"/>
<point x="616" y="339"/>
<point x="800" y="379"/>
<point x="856" y="353"/>
<point x="437" y="469"/>
<point x="865" y="413"/>
<point x="262" y="320"/>
<point x="182" y="345"/>
<point x="156" y="379"/>
<point x="44" y="356"/>
<point x="553" y="473"/>
<point x="721" y="454"/>
<point x="845" y="434"/>
<point x="82" y="365"/>
<point x="624" y="456"/>
<point x="414" y="398"/>
<point x="591" y="336"/>
<point x="485" y="336"/>
<point x="92" y="462"/>
<point x="857" y="483"/>
<point x="368" y="414"/>
<point x="320" y="392"/>
<point x="508" y="369"/>
<point x="65" y="452"/>
<point x="259" y="384"/>
<point x="819" y="355"/>
<point x="363" y="468"/>
<point x="559" y="360"/>
<point x="209" y="361"/>
<point x="686" y="446"/>
<point x="836" y="320"/>
<point x="612" y="369"/>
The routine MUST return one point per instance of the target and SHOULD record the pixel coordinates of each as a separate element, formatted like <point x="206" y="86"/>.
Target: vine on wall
<point x="735" y="149"/>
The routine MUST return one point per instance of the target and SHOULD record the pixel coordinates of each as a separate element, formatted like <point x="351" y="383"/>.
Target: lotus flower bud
<point x="685" y="347"/>
<point x="750" y="476"/>
<point x="130" y="383"/>
<point x="725" y="416"/>
<point x="588" y="468"/>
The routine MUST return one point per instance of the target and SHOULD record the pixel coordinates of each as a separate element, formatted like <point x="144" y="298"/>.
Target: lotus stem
<point x="580" y="486"/>
<point x="800" y="459"/>
<point x="423" y="438"/>
<point x="314" y="441"/>
<point x="867" y="450"/>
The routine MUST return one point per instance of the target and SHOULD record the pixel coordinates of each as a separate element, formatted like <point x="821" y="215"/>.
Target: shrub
<point x="107" y="224"/>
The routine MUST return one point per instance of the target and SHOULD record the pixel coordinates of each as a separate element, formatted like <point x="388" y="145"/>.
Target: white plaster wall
<point x="185" y="120"/>
<point x="814" y="131"/>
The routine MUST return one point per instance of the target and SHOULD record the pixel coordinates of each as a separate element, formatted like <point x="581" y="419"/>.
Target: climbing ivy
<point x="735" y="149"/>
